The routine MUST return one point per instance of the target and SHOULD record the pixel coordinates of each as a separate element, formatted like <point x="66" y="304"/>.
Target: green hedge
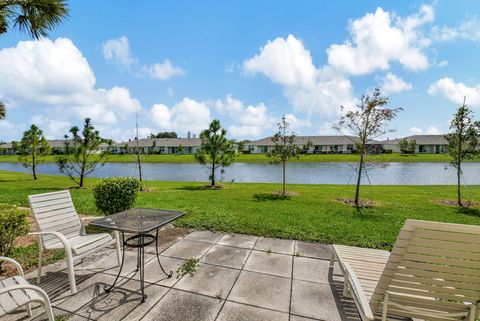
<point x="116" y="194"/>
<point x="13" y="223"/>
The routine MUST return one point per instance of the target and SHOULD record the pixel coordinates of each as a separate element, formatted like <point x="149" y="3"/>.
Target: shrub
<point x="116" y="194"/>
<point x="13" y="223"/>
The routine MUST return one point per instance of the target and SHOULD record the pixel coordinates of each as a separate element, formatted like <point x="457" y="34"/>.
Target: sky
<point x="177" y="65"/>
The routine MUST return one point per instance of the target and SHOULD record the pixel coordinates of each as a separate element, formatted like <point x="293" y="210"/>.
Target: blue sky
<point x="180" y="65"/>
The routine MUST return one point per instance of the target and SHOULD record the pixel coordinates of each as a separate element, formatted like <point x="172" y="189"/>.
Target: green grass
<point x="313" y="215"/>
<point x="262" y="158"/>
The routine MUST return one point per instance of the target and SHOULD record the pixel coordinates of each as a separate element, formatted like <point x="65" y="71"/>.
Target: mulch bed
<point x="469" y="204"/>
<point x="351" y="201"/>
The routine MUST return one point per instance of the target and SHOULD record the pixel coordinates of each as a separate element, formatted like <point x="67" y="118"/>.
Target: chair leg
<point x="117" y="246"/>
<point x="71" y="272"/>
<point x="473" y="312"/>
<point x="48" y="311"/>
<point x="39" y="270"/>
<point x="385" y="307"/>
<point x="29" y="310"/>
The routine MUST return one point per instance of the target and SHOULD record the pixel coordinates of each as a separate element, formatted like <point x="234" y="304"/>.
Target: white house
<point x="426" y="144"/>
<point x="159" y="146"/>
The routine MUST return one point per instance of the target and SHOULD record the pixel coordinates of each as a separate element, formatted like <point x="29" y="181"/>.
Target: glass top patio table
<point x="138" y="220"/>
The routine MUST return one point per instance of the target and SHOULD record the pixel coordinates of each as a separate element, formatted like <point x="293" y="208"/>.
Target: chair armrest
<point x="357" y="292"/>
<point x="86" y="220"/>
<point x="32" y="287"/>
<point x="60" y="236"/>
<point x="15" y="263"/>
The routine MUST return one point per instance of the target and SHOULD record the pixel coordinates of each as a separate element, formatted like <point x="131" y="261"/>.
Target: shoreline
<point x="263" y="159"/>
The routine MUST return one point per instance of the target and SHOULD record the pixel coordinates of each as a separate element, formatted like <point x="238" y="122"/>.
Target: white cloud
<point x="230" y="106"/>
<point x="443" y="63"/>
<point x="309" y="89"/>
<point x="296" y="123"/>
<point x="52" y="127"/>
<point x="55" y="73"/>
<point x="432" y="130"/>
<point x="250" y="121"/>
<point x="456" y="91"/>
<point x="162" y="71"/>
<point x="118" y="51"/>
<point x="284" y="61"/>
<point x="391" y="83"/>
<point x="467" y="30"/>
<point x="379" y="38"/>
<point x="187" y="115"/>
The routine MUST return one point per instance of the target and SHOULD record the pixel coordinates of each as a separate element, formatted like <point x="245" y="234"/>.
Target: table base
<point x="139" y="241"/>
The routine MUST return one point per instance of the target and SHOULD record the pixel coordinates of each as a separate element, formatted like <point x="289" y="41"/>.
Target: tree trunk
<point x="459" y="191"/>
<point x="283" y="190"/>
<point x="359" y="177"/>
<point x="212" y="176"/>
<point x="34" y="172"/>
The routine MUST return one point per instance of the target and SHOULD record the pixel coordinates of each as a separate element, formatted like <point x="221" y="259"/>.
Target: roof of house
<point x="420" y="140"/>
<point x="54" y="143"/>
<point x="316" y="140"/>
<point x="162" y="142"/>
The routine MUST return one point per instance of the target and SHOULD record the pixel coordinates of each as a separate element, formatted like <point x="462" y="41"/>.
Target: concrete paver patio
<point x="239" y="278"/>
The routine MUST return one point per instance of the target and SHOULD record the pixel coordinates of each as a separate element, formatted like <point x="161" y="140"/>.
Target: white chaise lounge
<point x="432" y="273"/>
<point x="16" y="292"/>
<point x="59" y="227"/>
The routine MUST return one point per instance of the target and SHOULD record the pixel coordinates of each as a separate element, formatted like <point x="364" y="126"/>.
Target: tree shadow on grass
<point x="198" y="188"/>
<point x="270" y="197"/>
<point x="472" y="211"/>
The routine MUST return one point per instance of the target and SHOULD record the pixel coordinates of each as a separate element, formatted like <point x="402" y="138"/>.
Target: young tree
<point x="463" y="141"/>
<point x="366" y="122"/>
<point x="284" y="147"/>
<point x="216" y="150"/>
<point x="180" y="149"/>
<point x="82" y="156"/>
<point x="31" y="148"/>
<point x="3" y="111"/>
<point x="407" y="146"/>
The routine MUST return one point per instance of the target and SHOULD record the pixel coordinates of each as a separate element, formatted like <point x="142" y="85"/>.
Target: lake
<point x="301" y="173"/>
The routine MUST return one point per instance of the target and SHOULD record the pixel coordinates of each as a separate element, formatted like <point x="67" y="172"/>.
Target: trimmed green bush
<point x="13" y="223"/>
<point x="116" y="194"/>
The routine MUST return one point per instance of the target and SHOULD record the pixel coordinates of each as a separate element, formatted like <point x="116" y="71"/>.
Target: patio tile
<point x="314" y="300"/>
<point x="186" y="249"/>
<point x="315" y="250"/>
<point x="275" y="245"/>
<point x="183" y="306"/>
<point x="87" y="291"/>
<point x="108" y="264"/>
<point x="297" y="318"/>
<point x="239" y="240"/>
<point x="313" y="270"/>
<point x="154" y="274"/>
<point x="267" y="291"/>
<point x="270" y="263"/>
<point x="239" y="312"/>
<point x="227" y="256"/>
<point x="122" y="301"/>
<point x="38" y="314"/>
<point x="209" y="280"/>
<point x="204" y="236"/>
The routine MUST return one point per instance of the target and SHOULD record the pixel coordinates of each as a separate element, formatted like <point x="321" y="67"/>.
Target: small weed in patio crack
<point x="189" y="267"/>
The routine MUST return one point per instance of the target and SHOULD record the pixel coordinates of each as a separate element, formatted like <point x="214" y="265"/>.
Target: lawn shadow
<point x="472" y="211"/>
<point x="198" y="188"/>
<point x="270" y="197"/>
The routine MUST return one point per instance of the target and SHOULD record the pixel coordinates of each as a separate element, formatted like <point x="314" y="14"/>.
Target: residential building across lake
<point x="425" y="144"/>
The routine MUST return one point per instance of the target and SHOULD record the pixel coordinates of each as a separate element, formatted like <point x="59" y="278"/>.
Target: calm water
<point x="302" y="173"/>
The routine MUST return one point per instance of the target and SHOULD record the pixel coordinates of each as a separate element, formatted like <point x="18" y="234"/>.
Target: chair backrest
<point x="439" y="263"/>
<point x="55" y="212"/>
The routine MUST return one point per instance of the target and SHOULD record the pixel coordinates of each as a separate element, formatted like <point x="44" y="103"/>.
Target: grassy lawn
<point x="262" y="158"/>
<point x="313" y="215"/>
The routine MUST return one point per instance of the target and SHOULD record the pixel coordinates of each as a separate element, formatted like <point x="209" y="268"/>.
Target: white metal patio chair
<point x="432" y="273"/>
<point x="16" y="292"/>
<point x="60" y="227"/>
